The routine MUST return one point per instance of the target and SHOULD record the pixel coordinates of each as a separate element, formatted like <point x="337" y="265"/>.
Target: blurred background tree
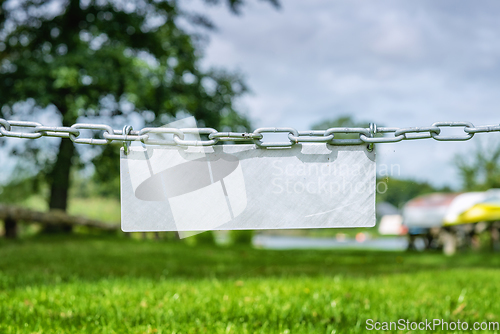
<point x="480" y="170"/>
<point x="106" y="61"/>
<point x="400" y="191"/>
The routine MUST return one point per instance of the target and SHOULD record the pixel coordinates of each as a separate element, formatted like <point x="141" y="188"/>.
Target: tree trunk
<point x="59" y="177"/>
<point x="10" y="225"/>
<point x="60" y="182"/>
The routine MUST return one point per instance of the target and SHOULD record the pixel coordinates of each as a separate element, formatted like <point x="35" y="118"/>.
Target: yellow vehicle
<point x="474" y="207"/>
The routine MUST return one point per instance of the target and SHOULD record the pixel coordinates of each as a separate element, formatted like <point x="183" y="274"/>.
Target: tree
<point x="400" y="191"/>
<point x="480" y="169"/>
<point x="104" y="61"/>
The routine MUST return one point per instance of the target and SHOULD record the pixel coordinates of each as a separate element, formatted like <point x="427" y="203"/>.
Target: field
<point x="92" y="284"/>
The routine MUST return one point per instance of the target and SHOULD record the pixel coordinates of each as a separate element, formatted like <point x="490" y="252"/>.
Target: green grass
<point x="117" y="285"/>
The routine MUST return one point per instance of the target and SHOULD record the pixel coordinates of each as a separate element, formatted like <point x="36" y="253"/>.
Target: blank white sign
<point x="226" y="187"/>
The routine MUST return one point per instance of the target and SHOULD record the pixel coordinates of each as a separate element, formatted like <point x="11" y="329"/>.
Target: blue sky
<point x="396" y="63"/>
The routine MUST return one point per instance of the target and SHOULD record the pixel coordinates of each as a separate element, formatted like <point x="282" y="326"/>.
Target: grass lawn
<point x="89" y="284"/>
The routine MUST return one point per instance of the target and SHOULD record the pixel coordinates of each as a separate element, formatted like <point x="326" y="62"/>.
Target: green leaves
<point x="65" y="77"/>
<point x="105" y="58"/>
<point x="103" y="49"/>
<point x="480" y="170"/>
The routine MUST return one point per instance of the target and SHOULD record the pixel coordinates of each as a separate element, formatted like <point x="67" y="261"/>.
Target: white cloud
<point x="398" y="63"/>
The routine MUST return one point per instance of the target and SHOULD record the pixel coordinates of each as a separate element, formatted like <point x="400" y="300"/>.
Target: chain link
<point x="371" y="135"/>
<point x="290" y="131"/>
<point x="5" y="129"/>
<point x="453" y="124"/>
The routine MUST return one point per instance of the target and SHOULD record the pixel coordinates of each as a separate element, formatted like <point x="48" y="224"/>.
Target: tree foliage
<point x="399" y="191"/>
<point x="104" y="60"/>
<point x="480" y="170"/>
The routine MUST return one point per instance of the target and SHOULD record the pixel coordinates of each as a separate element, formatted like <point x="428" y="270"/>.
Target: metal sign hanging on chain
<point x="181" y="182"/>
<point x="226" y="187"/>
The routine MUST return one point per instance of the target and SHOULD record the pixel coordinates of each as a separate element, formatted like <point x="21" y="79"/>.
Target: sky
<point x="394" y="63"/>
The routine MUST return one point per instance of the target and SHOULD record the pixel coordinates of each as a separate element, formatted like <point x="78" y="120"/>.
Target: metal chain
<point x="371" y="135"/>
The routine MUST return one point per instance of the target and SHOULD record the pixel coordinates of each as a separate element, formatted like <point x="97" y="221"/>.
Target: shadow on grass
<point x="55" y="259"/>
